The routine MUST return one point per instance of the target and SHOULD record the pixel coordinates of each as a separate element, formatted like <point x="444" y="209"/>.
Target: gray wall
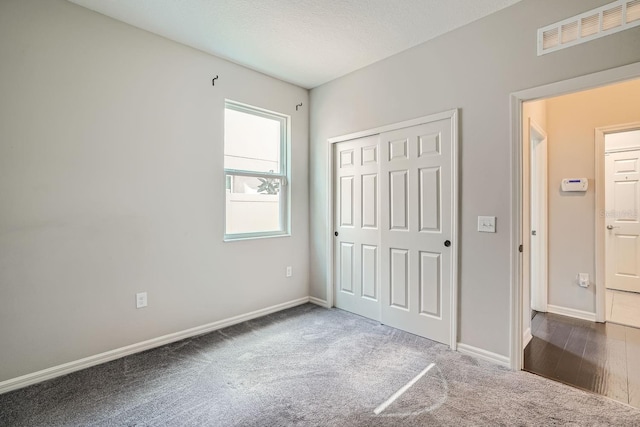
<point x="474" y="68"/>
<point x="111" y="183"/>
<point x="571" y="121"/>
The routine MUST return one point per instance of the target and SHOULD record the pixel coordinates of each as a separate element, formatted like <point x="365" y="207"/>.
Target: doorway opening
<point x="564" y="329"/>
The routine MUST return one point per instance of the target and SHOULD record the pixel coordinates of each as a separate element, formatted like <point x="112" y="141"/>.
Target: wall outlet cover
<point x="583" y="280"/>
<point x="141" y="299"/>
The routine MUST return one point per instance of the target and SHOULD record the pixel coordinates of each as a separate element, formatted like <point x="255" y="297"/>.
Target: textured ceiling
<point x="305" y="42"/>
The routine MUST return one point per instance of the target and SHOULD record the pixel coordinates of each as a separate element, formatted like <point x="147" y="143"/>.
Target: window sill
<point x="254" y="237"/>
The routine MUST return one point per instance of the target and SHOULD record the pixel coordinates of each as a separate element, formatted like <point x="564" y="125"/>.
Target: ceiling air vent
<point x="569" y="32"/>
<point x="590" y="25"/>
<point x="633" y="11"/>
<point x="550" y="38"/>
<point x="611" y="18"/>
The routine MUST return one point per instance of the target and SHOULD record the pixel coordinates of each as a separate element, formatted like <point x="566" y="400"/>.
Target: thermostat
<point x="575" y="184"/>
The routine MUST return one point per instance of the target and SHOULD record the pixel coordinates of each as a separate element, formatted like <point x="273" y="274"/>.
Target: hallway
<point x="602" y="358"/>
<point x="623" y="308"/>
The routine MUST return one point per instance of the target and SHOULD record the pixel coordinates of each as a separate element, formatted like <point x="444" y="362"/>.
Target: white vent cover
<point x="617" y="16"/>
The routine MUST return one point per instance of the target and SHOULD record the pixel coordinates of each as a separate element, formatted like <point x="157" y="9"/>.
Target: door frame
<point x="577" y="84"/>
<point x="329" y="272"/>
<point x="539" y="261"/>
<point x="600" y="133"/>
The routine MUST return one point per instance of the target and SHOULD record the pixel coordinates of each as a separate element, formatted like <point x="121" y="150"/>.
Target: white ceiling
<point x="305" y="42"/>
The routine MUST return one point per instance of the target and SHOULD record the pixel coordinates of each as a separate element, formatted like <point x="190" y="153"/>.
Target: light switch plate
<point x="487" y="224"/>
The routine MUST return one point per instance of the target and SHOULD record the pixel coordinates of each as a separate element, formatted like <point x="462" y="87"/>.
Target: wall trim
<point x="488" y="356"/>
<point x="318" y="301"/>
<point x="67" y="368"/>
<point x="571" y="312"/>
<point x="526" y="338"/>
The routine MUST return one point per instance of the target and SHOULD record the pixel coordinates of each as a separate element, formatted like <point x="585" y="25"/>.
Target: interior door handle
<point x="611" y="227"/>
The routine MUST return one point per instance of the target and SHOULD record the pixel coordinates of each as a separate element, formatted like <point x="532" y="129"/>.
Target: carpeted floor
<point x="305" y="366"/>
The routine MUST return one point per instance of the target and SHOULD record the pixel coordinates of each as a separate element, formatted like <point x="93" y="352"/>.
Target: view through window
<point x="255" y="163"/>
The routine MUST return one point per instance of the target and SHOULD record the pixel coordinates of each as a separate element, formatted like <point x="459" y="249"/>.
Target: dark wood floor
<point x="599" y="357"/>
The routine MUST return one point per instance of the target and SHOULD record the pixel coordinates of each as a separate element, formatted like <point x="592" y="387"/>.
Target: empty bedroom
<point x="282" y="212"/>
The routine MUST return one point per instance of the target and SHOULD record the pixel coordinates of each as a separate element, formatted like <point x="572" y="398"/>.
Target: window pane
<point x="251" y="142"/>
<point x="253" y="204"/>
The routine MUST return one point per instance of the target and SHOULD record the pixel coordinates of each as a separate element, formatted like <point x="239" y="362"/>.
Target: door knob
<point x="336" y="234"/>
<point x="611" y="227"/>
<point x="534" y="232"/>
<point x="447" y="243"/>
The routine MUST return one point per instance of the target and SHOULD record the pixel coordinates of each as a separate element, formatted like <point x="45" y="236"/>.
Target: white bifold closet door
<point x="393" y="199"/>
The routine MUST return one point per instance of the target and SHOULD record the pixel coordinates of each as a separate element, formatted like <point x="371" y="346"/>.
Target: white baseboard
<point x="479" y="353"/>
<point x="571" y="312"/>
<point x="318" y="301"/>
<point x="526" y="338"/>
<point x="67" y="368"/>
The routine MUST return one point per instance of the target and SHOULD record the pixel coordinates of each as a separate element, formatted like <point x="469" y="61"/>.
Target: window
<point x="256" y="147"/>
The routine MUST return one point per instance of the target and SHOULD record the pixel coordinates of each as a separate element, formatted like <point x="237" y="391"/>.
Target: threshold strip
<point x="400" y="392"/>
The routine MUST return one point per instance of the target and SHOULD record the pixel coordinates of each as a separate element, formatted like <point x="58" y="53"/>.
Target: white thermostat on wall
<point x="575" y="184"/>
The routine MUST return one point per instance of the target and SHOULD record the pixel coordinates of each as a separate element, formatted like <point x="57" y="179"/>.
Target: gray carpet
<point x="305" y="366"/>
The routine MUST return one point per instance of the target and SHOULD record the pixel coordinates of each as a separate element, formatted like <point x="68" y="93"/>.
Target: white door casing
<point x="356" y="222"/>
<point x="538" y="206"/>
<point x="622" y="209"/>
<point x="417" y="229"/>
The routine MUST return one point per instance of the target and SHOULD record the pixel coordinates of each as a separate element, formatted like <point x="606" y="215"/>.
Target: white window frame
<point x="283" y="174"/>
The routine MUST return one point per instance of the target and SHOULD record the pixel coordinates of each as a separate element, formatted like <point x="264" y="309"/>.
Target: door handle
<point x="447" y="243"/>
<point x="611" y="227"/>
<point x="336" y="234"/>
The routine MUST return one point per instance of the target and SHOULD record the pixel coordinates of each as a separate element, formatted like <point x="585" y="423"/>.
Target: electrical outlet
<point x="289" y="271"/>
<point x="583" y="280"/>
<point x="141" y="299"/>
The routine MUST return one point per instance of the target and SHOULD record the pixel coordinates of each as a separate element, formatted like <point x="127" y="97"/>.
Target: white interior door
<point x="417" y="218"/>
<point x="622" y="205"/>
<point x="538" y="271"/>
<point x="356" y="220"/>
